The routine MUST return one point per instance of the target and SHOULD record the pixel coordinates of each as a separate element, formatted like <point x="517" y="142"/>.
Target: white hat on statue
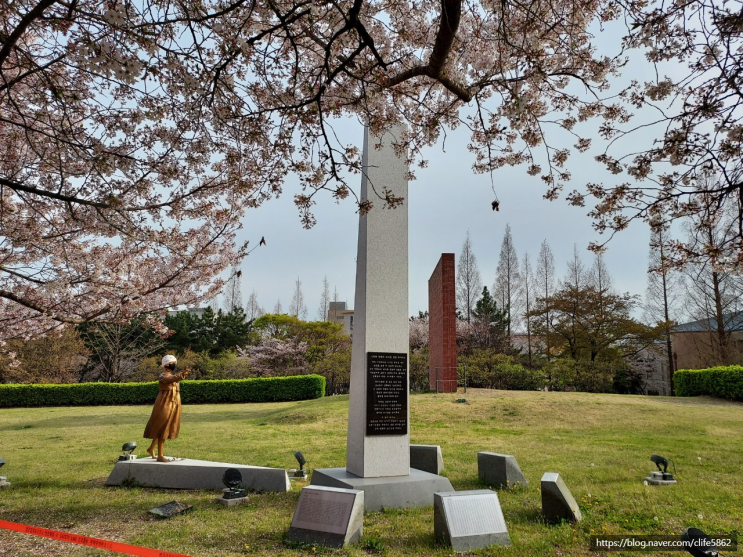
<point x="169" y="359"/>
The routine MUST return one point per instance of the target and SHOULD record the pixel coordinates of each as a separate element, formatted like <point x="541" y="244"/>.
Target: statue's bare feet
<point x="151" y="452"/>
<point x="164" y="459"/>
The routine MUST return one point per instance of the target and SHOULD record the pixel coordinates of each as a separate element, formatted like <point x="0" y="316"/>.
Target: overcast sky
<point x="445" y="202"/>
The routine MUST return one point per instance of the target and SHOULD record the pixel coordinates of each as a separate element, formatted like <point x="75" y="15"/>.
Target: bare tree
<point x="233" y="297"/>
<point x="334" y="313"/>
<point x="278" y="309"/>
<point x="508" y="283"/>
<point x="545" y="286"/>
<point x="577" y="277"/>
<point x="118" y="348"/>
<point x="714" y="291"/>
<point x="663" y="295"/>
<point x="298" y="308"/>
<point x="528" y="291"/>
<point x="322" y="311"/>
<point x="253" y="310"/>
<point x="469" y="282"/>
<point x="214" y="303"/>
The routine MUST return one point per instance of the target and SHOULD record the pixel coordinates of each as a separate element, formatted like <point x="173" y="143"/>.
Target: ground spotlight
<point x="127" y="448"/>
<point x="301" y="473"/>
<point x="661" y="476"/>
<point x="698" y="543"/>
<point x="232" y="478"/>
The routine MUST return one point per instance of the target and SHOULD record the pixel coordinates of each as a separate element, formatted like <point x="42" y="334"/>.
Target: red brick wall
<point x="442" y="326"/>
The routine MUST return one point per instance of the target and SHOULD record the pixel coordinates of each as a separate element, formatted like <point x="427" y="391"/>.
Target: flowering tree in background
<point x="135" y="134"/>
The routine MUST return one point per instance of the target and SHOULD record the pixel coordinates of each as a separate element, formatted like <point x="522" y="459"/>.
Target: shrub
<point x="721" y="381"/>
<point x="269" y="389"/>
<point x="486" y="369"/>
<point x="566" y="374"/>
<point x="419" y="361"/>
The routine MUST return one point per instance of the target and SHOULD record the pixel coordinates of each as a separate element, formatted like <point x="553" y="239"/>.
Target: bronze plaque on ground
<point x="386" y="393"/>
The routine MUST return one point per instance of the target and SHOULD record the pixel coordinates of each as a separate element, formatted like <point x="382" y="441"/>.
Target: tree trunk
<point x="667" y="325"/>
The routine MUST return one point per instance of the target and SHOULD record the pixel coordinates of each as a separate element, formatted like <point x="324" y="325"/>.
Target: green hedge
<point x="263" y="389"/>
<point x="722" y="381"/>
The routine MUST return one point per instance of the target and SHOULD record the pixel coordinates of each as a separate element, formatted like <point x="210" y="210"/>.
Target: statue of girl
<point x="165" y="421"/>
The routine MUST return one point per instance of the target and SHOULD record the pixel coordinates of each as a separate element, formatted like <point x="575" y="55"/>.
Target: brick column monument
<point x="442" y="327"/>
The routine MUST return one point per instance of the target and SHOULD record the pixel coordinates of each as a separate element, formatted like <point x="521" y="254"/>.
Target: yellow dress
<point x="165" y="421"/>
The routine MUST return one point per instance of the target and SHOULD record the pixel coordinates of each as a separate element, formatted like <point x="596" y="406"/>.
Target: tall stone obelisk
<point x="378" y="418"/>
<point x="378" y="443"/>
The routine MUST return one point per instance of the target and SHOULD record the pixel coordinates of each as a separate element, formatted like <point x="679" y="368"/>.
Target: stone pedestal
<point x="442" y="327"/>
<point x="195" y="474"/>
<point x="427" y="458"/>
<point x="558" y="503"/>
<point x="4" y="481"/>
<point x="469" y="520"/>
<point x="415" y="489"/>
<point x="500" y="470"/>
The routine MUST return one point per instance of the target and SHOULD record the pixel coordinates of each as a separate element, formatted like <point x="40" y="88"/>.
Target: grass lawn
<point x="59" y="458"/>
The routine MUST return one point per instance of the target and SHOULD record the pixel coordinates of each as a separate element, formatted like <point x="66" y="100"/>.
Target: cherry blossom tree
<point x="134" y="135"/>
<point x="697" y="123"/>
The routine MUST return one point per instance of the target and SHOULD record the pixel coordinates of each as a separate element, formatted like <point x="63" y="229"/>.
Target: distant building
<point x="651" y="364"/>
<point x="197" y="312"/>
<point x="696" y="345"/>
<point x="338" y="314"/>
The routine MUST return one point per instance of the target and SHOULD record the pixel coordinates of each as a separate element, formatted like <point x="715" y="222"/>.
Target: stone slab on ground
<point x="195" y="474"/>
<point x="427" y="458"/>
<point x="329" y="516"/>
<point x="500" y="470"/>
<point x="169" y="510"/>
<point x="390" y="492"/>
<point x="469" y="520"/>
<point x="558" y="503"/>
<point x="4" y="481"/>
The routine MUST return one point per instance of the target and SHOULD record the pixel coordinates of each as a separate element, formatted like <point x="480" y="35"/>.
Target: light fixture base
<point x="4" y="481"/>
<point x="661" y="478"/>
<point x="128" y="457"/>
<point x="234" y="493"/>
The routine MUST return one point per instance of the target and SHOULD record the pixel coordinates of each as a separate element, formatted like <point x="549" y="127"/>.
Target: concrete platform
<point x="195" y="474"/>
<point x="391" y="492"/>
